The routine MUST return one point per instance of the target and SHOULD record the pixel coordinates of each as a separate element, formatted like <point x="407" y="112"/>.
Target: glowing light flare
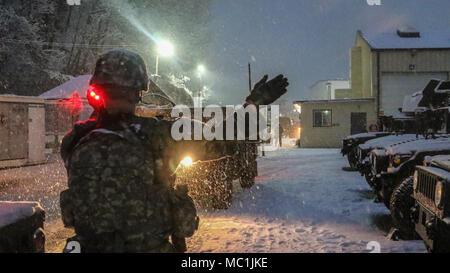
<point x="165" y="48"/>
<point x="93" y="94"/>
<point x="72" y="104"/>
<point x="187" y="161"/>
<point x="201" y="68"/>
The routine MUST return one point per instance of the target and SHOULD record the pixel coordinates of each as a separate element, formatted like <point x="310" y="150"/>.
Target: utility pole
<point x="250" y="91"/>
<point x="249" y="78"/>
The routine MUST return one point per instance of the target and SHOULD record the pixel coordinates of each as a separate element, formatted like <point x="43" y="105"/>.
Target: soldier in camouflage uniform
<point x="121" y="195"/>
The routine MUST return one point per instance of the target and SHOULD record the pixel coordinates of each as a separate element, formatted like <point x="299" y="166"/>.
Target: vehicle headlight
<point x="187" y="161"/>
<point x="416" y="180"/>
<point x="397" y="160"/>
<point x="439" y="194"/>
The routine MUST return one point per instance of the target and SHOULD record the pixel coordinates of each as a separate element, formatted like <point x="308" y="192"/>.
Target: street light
<point x="201" y="69"/>
<point x="164" y="49"/>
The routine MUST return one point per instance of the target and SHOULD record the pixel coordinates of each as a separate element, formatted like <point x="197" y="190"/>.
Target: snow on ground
<point x="302" y="202"/>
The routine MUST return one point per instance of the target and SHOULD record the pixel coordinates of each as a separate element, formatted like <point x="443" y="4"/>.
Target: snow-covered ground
<point x="302" y="202"/>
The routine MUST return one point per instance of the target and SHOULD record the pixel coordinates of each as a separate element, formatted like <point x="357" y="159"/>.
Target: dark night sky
<point x="307" y="40"/>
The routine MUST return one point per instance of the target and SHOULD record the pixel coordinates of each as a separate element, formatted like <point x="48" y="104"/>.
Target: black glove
<point x="265" y="92"/>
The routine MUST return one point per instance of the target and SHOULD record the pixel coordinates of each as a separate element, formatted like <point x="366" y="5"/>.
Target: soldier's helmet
<point x="120" y="67"/>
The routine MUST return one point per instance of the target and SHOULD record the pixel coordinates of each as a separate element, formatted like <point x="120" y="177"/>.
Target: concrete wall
<point x="331" y="137"/>
<point x="361" y="67"/>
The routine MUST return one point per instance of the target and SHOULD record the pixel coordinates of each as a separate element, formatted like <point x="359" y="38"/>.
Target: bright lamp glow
<point x="165" y="48"/>
<point x="187" y="161"/>
<point x="201" y="68"/>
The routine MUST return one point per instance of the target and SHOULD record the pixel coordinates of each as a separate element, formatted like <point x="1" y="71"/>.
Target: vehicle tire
<point x="351" y="157"/>
<point x="400" y="205"/>
<point x="223" y="193"/>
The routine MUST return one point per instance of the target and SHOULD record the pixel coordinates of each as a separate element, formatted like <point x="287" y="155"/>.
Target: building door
<point x="36" y="133"/>
<point x="13" y="131"/>
<point x="395" y="86"/>
<point x="4" y="132"/>
<point x="358" y="123"/>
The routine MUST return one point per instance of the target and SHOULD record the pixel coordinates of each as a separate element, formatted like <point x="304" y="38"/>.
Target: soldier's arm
<point x="264" y="93"/>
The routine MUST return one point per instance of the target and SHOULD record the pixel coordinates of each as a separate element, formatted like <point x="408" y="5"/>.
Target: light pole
<point x="165" y="49"/>
<point x="201" y="70"/>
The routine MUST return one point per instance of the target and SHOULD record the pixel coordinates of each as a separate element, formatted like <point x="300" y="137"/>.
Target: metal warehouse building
<point x="384" y="67"/>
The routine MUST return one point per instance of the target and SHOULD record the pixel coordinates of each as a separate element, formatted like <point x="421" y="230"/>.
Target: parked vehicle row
<point x="409" y="172"/>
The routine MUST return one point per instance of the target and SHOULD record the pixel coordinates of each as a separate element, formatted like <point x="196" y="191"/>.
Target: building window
<point x="322" y="118"/>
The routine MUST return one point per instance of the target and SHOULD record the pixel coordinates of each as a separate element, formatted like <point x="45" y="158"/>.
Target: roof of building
<point x="407" y="38"/>
<point x="79" y="84"/>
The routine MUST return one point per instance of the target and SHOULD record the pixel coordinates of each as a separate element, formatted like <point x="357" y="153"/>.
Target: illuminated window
<point x="322" y="118"/>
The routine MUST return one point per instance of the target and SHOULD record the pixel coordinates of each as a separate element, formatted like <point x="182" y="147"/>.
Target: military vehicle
<point x="209" y="173"/>
<point x="210" y="180"/>
<point x="364" y="151"/>
<point x="392" y="167"/>
<point x="21" y="227"/>
<point x="431" y="210"/>
<point x="350" y="145"/>
<point x="406" y="121"/>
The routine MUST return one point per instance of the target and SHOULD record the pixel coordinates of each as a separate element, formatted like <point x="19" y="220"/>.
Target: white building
<point x="326" y="89"/>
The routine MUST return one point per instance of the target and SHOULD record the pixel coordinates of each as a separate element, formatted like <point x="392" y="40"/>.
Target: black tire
<point x="223" y="193"/>
<point x="400" y="205"/>
<point x="351" y="157"/>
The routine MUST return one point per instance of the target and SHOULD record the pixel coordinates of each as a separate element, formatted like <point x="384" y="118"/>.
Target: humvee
<point x="350" y="145"/>
<point x="409" y="120"/>
<point x="364" y="150"/>
<point x="431" y="211"/>
<point x="393" y="168"/>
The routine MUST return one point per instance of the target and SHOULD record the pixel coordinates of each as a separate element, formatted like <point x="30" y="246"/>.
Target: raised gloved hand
<point x="265" y="92"/>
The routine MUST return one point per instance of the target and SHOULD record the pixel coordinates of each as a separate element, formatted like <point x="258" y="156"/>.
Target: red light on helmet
<point x="94" y="97"/>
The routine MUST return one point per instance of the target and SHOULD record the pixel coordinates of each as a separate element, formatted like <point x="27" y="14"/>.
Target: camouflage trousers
<point x="112" y="243"/>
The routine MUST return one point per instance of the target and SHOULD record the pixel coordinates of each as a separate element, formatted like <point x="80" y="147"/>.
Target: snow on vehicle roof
<point x="11" y="212"/>
<point x="79" y="84"/>
<point x="386" y="141"/>
<point x="441" y="143"/>
<point x="392" y="40"/>
<point x="363" y="135"/>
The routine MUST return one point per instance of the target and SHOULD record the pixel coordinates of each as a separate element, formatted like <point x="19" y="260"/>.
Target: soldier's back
<point x="113" y="191"/>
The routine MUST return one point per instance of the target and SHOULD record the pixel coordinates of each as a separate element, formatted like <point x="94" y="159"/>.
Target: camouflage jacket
<point x="120" y="177"/>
